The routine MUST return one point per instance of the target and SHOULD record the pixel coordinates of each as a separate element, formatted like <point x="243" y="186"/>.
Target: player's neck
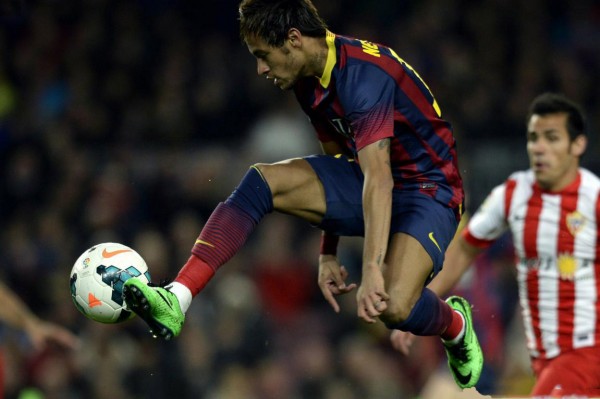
<point x="562" y="184"/>
<point x="316" y="56"/>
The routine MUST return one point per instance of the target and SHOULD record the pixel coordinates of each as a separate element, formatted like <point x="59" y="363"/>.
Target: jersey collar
<point x="331" y="60"/>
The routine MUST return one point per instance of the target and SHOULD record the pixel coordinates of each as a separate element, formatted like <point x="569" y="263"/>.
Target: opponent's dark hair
<point x="553" y="103"/>
<point x="271" y="20"/>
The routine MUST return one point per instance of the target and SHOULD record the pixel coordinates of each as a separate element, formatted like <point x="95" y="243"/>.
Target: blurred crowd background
<point x="129" y="121"/>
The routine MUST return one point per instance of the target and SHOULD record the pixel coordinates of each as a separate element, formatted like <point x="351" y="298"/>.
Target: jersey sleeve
<point x="489" y="221"/>
<point x="367" y="95"/>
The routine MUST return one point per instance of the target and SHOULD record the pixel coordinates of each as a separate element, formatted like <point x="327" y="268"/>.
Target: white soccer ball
<point x="97" y="281"/>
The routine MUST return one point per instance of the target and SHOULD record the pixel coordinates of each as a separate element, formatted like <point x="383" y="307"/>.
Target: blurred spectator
<point x="126" y="121"/>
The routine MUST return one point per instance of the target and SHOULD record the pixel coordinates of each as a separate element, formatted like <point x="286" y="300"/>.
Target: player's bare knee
<point x="274" y="175"/>
<point x="261" y="168"/>
<point x="267" y="172"/>
<point x="398" y="310"/>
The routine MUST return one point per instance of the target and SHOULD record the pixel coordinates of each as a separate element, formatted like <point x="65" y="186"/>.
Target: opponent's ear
<point x="579" y="145"/>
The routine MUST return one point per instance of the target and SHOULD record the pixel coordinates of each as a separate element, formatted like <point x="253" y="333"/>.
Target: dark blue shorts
<point x="432" y="223"/>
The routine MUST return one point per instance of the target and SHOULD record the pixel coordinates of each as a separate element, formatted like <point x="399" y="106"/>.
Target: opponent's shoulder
<point x="519" y="181"/>
<point x="589" y="178"/>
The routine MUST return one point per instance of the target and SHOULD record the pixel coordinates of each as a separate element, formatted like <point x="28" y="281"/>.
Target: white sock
<point x="183" y="294"/>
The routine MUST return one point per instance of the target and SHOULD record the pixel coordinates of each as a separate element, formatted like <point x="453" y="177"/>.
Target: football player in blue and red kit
<point x="389" y="173"/>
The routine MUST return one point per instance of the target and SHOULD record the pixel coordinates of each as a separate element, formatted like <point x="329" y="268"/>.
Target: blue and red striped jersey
<point x="368" y="93"/>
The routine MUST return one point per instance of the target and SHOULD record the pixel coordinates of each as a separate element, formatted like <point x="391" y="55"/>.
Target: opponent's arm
<point x="459" y="256"/>
<point x="377" y="208"/>
<point x="15" y="313"/>
<point x="486" y="225"/>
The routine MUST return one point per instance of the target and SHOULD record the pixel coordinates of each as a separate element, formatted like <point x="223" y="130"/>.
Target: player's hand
<point x="371" y="297"/>
<point x="402" y="341"/>
<point x="41" y="333"/>
<point x="332" y="280"/>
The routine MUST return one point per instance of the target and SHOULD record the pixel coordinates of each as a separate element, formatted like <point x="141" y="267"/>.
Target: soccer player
<point x="389" y="173"/>
<point x="553" y="213"/>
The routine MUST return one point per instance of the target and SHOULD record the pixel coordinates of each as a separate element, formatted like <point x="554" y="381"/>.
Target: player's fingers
<point x="371" y="306"/>
<point x="338" y="279"/>
<point x="384" y="296"/>
<point x="343" y="272"/>
<point x="402" y="341"/>
<point x="380" y="306"/>
<point x="377" y="307"/>
<point x="328" y="295"/>
<point x="334" y="305"/>
<point x="407" y="342"/>
<point x="347" y="288"/>
<point x="395" y="340"/>
<point x="363" y="315"/>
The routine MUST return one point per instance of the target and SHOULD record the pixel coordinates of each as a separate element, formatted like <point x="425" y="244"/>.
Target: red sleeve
<point x="476" y="242"/>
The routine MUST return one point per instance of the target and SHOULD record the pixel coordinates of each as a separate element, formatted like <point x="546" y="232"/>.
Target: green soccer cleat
<point x="465" y="358"/>
<point x="158" y="306"/>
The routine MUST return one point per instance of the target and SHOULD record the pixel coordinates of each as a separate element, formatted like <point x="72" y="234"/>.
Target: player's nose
<point x="539" y="147"/>
<point x="261" y="67"/>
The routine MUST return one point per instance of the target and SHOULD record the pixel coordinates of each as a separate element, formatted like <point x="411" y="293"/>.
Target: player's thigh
<point x="296" y="188"/>
<point x="342" y="181"/>
<point x="422" y="229"/>
<point x="406" y="269"/>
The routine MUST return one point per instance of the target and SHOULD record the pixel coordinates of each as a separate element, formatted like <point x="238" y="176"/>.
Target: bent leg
<point x="290" y="186"/>
<point x="411" y="307"/>
<point x="423" y="230"/>
<point x="296" y="189"/>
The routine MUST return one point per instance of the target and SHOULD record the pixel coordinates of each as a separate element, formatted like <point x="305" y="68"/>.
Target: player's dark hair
<point x="552" y="103"/>
<point x="271" y="20"/>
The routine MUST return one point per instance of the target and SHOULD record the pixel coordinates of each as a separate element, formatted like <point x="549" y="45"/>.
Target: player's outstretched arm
<point x="16" y="314"/>
<point x="41" y="333"/>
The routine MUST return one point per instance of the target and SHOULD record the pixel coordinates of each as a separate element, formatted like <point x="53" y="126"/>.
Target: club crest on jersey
<point x="575" y="222"/>
<point x="567" y="265"/>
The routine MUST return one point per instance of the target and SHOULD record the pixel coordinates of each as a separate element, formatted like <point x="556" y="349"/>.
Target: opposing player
<point x="553" y="213"/>
<point x="389" y="174"/>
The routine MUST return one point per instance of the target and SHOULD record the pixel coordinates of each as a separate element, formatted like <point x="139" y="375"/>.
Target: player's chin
<point x="286" y="84"/>
<point x="544" y="181"/>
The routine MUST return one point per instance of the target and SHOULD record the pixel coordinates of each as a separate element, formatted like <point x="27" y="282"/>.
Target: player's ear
<point x="579" y="145"/>
<point x="295" y="38"/>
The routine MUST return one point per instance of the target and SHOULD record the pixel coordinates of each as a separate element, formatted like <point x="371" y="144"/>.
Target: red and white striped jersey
<point x="556" y="238"/>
